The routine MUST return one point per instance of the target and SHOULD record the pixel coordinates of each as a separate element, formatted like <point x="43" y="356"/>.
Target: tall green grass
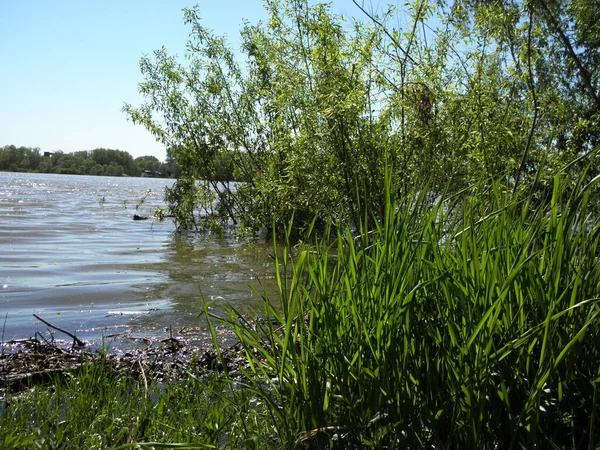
<point x="466" y="321"/>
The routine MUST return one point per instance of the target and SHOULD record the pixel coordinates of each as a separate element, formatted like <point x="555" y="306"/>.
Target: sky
<point x="68" y="66"/>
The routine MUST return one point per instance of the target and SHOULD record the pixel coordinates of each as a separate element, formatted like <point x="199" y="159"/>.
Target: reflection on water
<point x="220" y="270"/>
<point x="71" y="253"/>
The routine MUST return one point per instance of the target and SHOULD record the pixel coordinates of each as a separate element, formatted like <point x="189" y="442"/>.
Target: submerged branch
<point x="76" y="340"/>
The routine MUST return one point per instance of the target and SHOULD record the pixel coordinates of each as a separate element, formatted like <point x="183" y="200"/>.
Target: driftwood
<point x="76" y="340"/>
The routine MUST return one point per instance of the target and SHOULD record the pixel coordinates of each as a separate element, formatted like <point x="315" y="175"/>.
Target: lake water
<point x="71" y="253"/>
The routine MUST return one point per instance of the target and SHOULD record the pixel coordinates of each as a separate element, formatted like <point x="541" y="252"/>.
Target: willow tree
<point x="552" y="51"/>
<point x="294" y="117"/>
<point x="314" y="107"/>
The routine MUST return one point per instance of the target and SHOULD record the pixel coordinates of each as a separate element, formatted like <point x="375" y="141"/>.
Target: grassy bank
<point x="468" y="321"/>
<point x="96" y="408"/>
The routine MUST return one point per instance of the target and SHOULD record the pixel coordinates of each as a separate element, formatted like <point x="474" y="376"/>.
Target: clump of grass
<point x="96" y="408"/>
<point x="467" y="321"/>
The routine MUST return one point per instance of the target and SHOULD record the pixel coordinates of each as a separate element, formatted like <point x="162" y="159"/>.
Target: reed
<point x="465" y="321"/>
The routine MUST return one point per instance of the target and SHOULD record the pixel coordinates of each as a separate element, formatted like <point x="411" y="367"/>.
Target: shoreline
<point x="30" y="362"/>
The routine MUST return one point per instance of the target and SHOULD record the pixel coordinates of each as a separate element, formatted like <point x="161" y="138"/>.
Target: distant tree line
<point x="100" y="161"/>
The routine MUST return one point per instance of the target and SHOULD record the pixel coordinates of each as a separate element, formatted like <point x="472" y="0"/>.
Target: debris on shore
<point x="25" y="363"/>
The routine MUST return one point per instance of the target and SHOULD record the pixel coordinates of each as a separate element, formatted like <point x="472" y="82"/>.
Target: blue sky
<point x="68" y="66"/>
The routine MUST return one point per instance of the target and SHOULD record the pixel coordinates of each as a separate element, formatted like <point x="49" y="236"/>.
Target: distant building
<point x="48" y="154"/>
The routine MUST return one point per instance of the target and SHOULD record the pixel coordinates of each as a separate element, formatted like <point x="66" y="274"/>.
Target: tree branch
<point x="583" y="73"/>
<point x="76" y="340"/>
<point x="531" y="83"/>
<point x="388" y="34"/>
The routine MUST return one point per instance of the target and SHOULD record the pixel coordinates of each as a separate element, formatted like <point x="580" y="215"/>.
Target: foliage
<point x="318" y="104"/>
<point x="14" y="158"/>
<point x="99" y="161"/>
<point x="300" y="103"/>
<point x="467" y="321"/>
<point x="114" y="158"/>
<point x="149" y="165"/>
<point x="550" y="52"/>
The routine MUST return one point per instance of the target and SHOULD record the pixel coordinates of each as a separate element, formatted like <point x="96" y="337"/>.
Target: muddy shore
<point x="29" y="362"/>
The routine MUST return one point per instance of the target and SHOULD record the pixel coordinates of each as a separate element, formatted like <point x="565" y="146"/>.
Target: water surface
<point x="71" y="253"/>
